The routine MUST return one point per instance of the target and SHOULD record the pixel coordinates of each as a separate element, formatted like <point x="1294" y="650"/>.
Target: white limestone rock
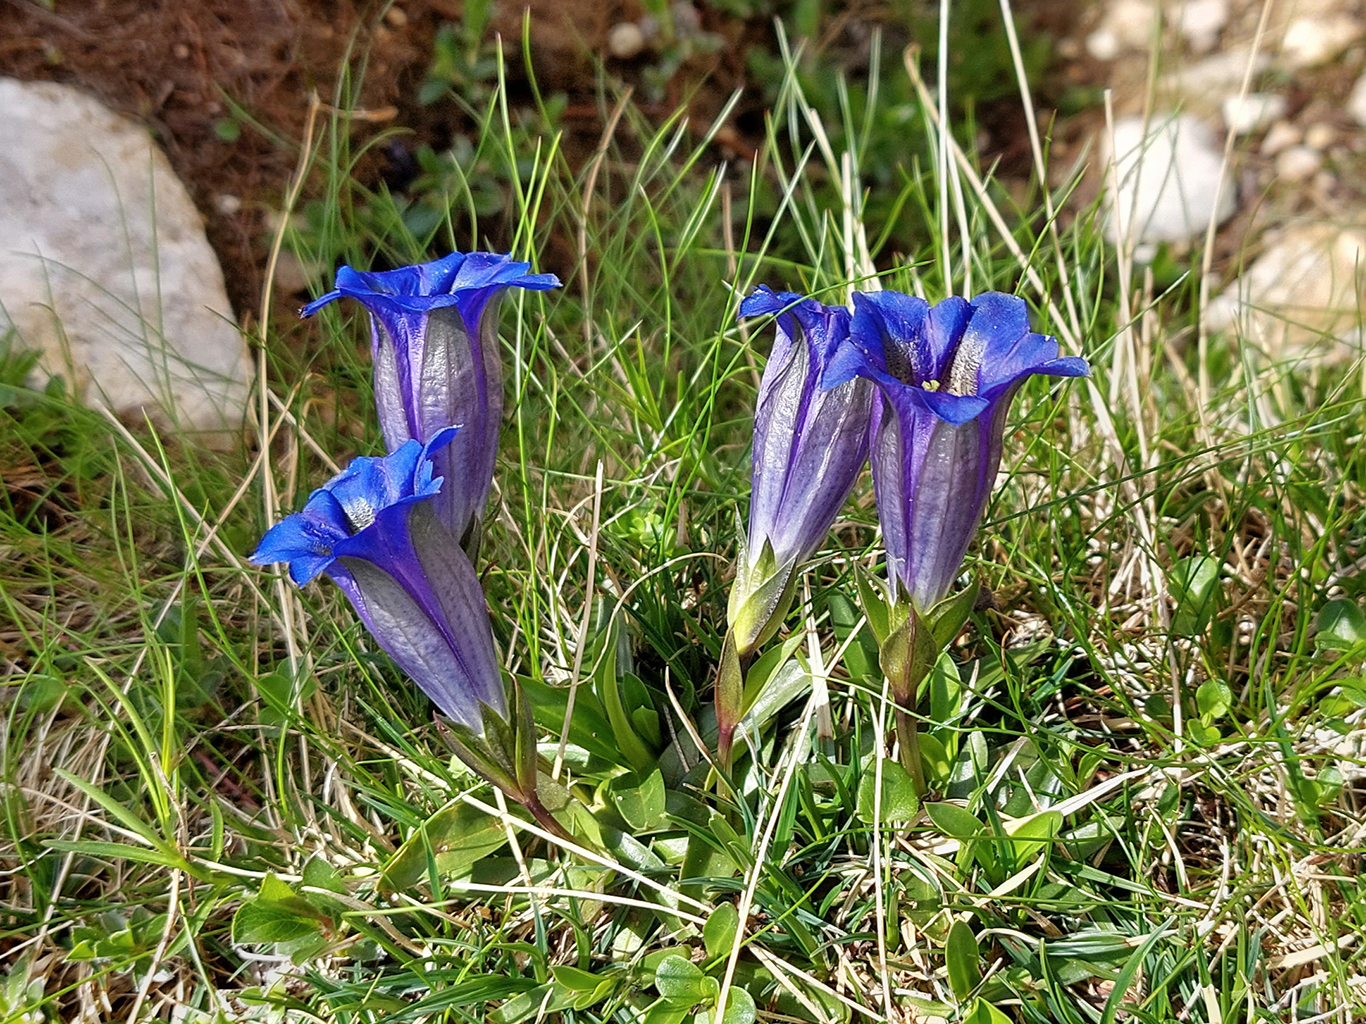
<point x="1200" y="22"/>
<point x="1219" y="74"/>
<point x="625" y="40"/>
<point x="105" y="269"/>
<point x="1311" y="40"/>
<point x="1283" y="134"/>
<point x="1162" y="187"/>
<point x="1300" y="297"/>
<point x="1298" y="163"/>
<point x="1244" y="115"/>
<point x="1356" y="102"/>
<point x="1124" y="25"/>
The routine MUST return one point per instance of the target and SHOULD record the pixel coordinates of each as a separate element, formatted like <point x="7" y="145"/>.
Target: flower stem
<point x="908" y="743"/>
<point x="545" y="819"/>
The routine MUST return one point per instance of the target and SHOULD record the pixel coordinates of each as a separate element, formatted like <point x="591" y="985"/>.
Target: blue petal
<point x="999" y="322"/>
<point x="900" y="324"/>
<point x="319" y="303"/>
<point x="955" y="409"/>
<point x="944" y="327"/>
<point x="766" y="301"/>
<point x="1067" y="366"/>
<point x="305" y="539"/>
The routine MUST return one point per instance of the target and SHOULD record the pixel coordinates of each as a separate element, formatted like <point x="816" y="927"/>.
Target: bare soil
<point x="224" y="85"/>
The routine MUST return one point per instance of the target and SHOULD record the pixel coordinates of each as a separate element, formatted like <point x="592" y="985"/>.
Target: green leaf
<point x="937" y="764"/>
<point x="269" y="918"/>
<point x="954" y="822"/>
<point x="681" y="980"/>
<point x="1029" y="836"/>
<point x="860" y="656"/>
<point x="574" y="979"/>
<point x="666" y="1012"/>
<point x="1340" y="626"/>
<point x="718" y="934"/>
<point x="740" y="1008"/>
<point x="766" y="667"/>
<point x="455" y="837"/>
<point x="899" y="799"/>
<point x="961" y="959"/>
<point x="1194" y="586"/>
<point x="1213" y="698"/>
<point x="874" y="600"/>
<point x="321" y="875"/>
<point x="640" y="801"/>
<point x="628" y="741"/>
<point x="947" y="617"/>
<point x="983" y="1012"/>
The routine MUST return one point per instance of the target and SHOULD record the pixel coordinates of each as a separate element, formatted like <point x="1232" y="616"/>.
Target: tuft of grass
<point x="221" y="802"/>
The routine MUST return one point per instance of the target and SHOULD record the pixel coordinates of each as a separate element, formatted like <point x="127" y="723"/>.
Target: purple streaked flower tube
<point x="434" y="328"/>
<point x="809" y="446"/>
<point x="374" y="530"/>
<point x="945" y="375"/>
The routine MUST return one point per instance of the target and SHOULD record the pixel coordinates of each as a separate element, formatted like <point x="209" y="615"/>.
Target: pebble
<point x="1311" y="41"/>
<point x="1299" y="297"/>
<point x="1167" y="182"/>
<point x="1103" y="44"/>
<point x="105" y="269"/>
<point x="1298" y="163"/>
<point x="1356" y="102"/>
<point x="1218" y="74"/>
<point x="396" y="16"/>
<point x="227" y="204"/>
<point x="625" y="40"/>
<point x="1319" y="136"/>
<point x="1244" y="115"/>
<point x="1200" y="22"/>
<point x="1282" y="135"/>
<point x="1125" y="25"/>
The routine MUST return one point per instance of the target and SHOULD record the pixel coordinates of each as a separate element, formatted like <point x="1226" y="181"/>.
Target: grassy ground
<point x="221" y="803"/>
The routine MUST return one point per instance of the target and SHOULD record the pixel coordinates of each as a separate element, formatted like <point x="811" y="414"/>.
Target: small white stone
<point x="1301" y="295"/>
<point x="1201" y="21"/>
<point x="1298" y="163"/>
<point x="625" y="40"/>
<point x="1220" y="73"/>
<point x="1311" y="41"/>
<point x="227" y="204"/>
<point x="1132" y="21"/>
<point x="1103" y="44"/>
<point x="1282" y="135"/>
<point x="104" y="266"/>
<point x="1244" y="115"/>
<point x="1167" y="181"/>
<point x="1319" y="136"/>
<point x="1356" y="102"/>
<point x="1325" y="182"/>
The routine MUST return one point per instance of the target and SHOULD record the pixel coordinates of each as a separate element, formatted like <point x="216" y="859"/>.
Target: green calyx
<point x="760" y="599"/>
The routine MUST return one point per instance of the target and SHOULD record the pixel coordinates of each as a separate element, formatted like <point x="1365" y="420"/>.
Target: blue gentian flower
<point x="436" y="363"/>
<point x="374" y="530"/>
<point x="945" y="377"/>
<point x="809" y="446"/>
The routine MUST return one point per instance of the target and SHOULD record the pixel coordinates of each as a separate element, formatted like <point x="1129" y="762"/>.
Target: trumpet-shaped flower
<point x="809" y="445"/>
<point x="434" y="328"/>
<point x="373" y="529"/>
<point x="946" y="375"/>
